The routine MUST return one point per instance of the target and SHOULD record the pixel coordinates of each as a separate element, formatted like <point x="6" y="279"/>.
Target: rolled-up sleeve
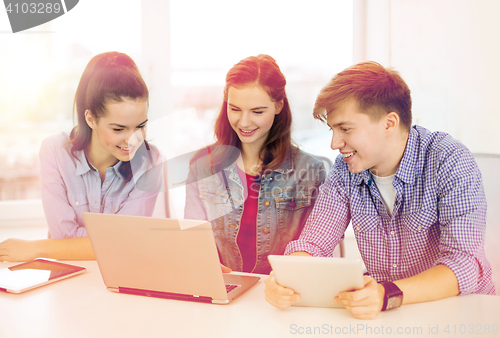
<point x="462" y="218"/>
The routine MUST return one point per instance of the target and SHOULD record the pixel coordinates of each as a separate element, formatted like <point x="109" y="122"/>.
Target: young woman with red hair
<point x="255" y="187"/>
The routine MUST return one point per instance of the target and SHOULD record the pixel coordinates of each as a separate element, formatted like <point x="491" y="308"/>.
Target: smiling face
<point x="251" y="114"/>
<point x="118" y="134"/>
<point x="365" y="143"/>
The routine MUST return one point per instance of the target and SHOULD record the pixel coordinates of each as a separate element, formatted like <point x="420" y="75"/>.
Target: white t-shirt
<point x="386" y="190"/>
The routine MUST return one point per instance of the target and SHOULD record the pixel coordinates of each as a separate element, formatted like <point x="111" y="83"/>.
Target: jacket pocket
<point x="293" y="205"/>
<point x="294" y="198"/>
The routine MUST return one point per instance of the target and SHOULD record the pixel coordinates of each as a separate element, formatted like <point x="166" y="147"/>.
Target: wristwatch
<point x="393" y="296"/>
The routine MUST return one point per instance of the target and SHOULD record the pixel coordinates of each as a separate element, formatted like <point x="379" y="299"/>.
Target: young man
<point x="414" y="197"/>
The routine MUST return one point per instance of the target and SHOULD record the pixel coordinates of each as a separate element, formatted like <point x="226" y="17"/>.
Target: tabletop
<point x="81" y="306"/>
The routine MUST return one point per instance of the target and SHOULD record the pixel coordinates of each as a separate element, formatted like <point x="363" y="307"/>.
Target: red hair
<point x="261" y="70"/>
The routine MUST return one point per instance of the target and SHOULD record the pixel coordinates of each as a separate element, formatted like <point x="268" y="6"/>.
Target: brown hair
<point x="261" y="70"/>
<point x="110" y="76"/>
<point x="377" y="90"/>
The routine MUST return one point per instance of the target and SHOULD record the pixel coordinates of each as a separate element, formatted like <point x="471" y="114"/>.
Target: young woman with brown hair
<point x="104" y="165"/>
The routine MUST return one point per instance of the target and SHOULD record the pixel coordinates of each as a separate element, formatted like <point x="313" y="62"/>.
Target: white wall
<point x="489" y="168"/>
<point x="447" y="51"/>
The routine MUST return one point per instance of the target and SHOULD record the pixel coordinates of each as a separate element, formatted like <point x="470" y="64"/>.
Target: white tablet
<point x="35" y="273"/>
<point x="317" y="279"/>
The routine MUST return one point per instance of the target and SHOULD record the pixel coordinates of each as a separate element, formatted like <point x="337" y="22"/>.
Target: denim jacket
<point x="286" y="198"/>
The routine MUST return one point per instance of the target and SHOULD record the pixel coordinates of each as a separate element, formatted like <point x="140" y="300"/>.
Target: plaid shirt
<point x="439" y="215"/>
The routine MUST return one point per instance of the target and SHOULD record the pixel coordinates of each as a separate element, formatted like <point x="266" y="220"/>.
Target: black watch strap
<point x="393" y="296"/>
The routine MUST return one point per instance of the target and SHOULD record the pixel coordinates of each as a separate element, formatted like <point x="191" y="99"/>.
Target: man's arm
<point x="435" y="283"/>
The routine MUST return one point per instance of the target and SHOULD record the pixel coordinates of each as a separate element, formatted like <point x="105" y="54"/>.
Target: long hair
<point x="263" y="71"/>
<point x="108" y="77"/>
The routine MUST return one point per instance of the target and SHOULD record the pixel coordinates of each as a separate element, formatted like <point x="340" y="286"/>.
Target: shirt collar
<point x="407" y="166"/>
<point x="141" y="162"/>
<point x="83" y="165"/>
<point x="288" y="164"/>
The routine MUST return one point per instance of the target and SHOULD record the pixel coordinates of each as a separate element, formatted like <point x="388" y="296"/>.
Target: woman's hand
<point x="225" y="269"/>
<point x="18" y="250"/>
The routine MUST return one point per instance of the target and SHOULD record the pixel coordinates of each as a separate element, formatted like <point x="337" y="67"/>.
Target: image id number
<point x="33" y="8"/>
<point x="471" y="329"/>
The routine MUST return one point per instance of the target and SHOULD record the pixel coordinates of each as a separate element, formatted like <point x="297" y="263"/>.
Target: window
<point x="40" y="71"/>
<point x="310" y="42"/>
<point x="41" y="67"/>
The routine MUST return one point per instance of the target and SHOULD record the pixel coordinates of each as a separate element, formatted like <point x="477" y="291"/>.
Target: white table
<point x="81" y="306"/>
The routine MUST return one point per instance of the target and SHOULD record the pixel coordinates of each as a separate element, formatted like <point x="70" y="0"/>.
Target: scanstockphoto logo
<point x="28" y="14"/>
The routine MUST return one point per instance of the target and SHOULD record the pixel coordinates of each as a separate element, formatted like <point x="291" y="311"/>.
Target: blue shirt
<point x="71" y="187"/>
<point x="439" y="215"/>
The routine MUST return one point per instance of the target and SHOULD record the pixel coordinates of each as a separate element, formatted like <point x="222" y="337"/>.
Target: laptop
<point x="317" y="279"/>
<point x="153" y="257"/>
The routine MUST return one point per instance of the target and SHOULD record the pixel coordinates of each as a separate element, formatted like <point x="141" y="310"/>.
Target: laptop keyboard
<point x="231" y="287"/>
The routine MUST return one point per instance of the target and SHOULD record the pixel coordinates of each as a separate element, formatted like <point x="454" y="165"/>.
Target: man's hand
<point x="278" y="295"/>
<point x="365" y="303"/>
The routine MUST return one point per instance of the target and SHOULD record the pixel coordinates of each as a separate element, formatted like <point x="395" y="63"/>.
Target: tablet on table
<point x="35" y="273"/>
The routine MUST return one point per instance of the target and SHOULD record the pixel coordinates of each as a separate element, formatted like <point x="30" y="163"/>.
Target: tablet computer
<point x="35" y="273"/>
<point x="318" y="280"/>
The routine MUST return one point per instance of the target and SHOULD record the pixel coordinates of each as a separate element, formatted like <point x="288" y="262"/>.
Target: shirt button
<point x="393" y="232"/>
<point x="419" y="228"/>
<point x="232" y="226"/>
<point x="76" y="203"/>
<point x="107" y="182"/>
<point x="266" y="203"/>
<point x="110" y="169"/>
<point x="265" y="231"/>
<point x="394" y="265"/>
<point x="357" y="228"/>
